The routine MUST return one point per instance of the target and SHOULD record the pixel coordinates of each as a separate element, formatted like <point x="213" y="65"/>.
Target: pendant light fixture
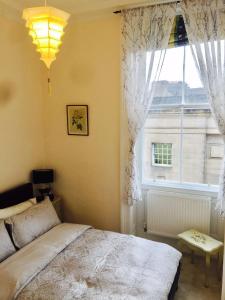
<point x="46" y="26"/>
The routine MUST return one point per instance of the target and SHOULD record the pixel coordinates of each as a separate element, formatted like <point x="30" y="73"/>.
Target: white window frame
<point x="179" y="183"/>
<point x="153" y="155"/>
<point x="188" y="187"/>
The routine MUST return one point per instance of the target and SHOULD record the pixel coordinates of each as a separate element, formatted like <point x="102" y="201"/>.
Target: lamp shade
<point x="42" y="176"/>
<point x="46" y="26"/>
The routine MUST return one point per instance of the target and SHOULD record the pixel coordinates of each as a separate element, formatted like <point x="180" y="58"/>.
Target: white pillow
<point x="33" y="222"/>
<point x="6" y="245"/>
<point x="16" y="209"/>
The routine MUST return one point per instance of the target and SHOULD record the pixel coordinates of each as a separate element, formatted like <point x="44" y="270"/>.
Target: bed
<point x="72" y="261"/>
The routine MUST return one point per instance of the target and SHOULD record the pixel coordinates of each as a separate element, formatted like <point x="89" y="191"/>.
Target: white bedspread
<point x="78" y="262"/>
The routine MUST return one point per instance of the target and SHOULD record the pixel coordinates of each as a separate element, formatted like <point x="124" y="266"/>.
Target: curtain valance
<point x="204" y="20"/>
<point x="143" y="28"/>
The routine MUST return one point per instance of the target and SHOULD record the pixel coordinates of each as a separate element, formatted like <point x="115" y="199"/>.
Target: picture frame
<point x="77" y="120"/>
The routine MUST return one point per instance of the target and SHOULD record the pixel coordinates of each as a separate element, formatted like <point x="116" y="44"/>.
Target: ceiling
<point x="82" y="7"/>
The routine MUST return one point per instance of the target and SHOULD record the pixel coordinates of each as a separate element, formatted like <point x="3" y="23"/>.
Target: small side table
<point x="208" y="245"/>
<point x="56" y="202"/>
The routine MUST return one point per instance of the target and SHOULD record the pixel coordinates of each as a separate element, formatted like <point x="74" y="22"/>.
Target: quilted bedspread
<point x="79" y="262"/>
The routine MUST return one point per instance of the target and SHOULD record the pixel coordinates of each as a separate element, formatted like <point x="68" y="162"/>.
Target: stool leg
<point x="207" y="264"/>
<point x="192" y="256"/>
<point x="179" y="244"/>
<point x="220" y="264"/>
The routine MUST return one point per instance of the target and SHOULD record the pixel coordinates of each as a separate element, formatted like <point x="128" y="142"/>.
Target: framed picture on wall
<point x="77" y="120"/>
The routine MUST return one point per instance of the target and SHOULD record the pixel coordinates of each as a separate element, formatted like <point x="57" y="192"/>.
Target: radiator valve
<point x="145" y="227"/>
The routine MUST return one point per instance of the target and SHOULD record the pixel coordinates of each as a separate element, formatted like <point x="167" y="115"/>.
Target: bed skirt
<point x="174" y="286"/>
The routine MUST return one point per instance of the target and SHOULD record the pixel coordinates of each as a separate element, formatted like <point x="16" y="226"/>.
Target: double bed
<point x="72" y="261"/>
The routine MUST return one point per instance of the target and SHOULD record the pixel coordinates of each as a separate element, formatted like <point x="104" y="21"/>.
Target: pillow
<point x="16" y="209"/>
<point x="6" y="245"/>
<point x="32" y="223"/>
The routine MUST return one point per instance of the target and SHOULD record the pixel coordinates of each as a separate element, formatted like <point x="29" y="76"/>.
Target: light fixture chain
<point x="49" y="83"/>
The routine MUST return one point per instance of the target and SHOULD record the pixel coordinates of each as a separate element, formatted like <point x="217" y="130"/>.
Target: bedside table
<point x="56" y="202"/>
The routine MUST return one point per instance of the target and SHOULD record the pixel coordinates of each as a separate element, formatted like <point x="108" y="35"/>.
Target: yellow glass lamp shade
<point x="46" y="27"/>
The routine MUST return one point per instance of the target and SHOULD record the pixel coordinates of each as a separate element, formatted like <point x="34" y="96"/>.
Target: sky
<point x="172" y="69"/>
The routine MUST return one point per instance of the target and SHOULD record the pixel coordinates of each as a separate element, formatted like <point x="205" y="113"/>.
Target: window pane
<point x="168" y="88"/>
<point x="181" y="139"/>
<point x="193" y="91"/>
<point x="161" y="159"/>
<point x="199" y="130"/>
<point x="163" y="125"/>
<point x="202" y="147"/>
<point x="162" y="128"/>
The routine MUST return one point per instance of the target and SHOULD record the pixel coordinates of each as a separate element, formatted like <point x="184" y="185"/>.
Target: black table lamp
<point x="42" y="180"/>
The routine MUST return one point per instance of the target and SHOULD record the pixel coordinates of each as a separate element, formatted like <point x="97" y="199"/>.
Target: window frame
<point x="179" y="183"/>
<point x="153" y="155"/>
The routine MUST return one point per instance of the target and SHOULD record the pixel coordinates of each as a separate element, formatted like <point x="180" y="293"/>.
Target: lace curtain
<point x="205" y="25"/>
<point x="144" y="31"/>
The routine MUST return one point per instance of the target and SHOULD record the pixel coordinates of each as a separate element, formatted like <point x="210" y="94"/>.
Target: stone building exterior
<point x="190" y="131"/>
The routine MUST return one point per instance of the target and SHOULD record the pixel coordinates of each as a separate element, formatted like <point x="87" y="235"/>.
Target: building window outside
<point x="161" y="154"/>
<point x="180" y="116"/>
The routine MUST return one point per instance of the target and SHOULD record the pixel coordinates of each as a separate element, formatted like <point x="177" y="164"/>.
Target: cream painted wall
<point x="87" y="71"/>
<point x="21" y="105"/>
<point x="33" y="126"/>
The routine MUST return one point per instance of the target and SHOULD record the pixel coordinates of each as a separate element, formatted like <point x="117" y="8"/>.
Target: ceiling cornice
<point x="81" y="8"/>
<point x="134" y="4"/>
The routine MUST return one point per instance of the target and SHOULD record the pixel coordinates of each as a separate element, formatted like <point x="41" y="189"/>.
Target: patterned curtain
<point x="205" y="25"/>
<point x="144" y="31"/>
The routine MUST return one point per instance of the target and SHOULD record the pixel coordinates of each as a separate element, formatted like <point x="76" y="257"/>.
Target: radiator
<point x="170" y="213"/>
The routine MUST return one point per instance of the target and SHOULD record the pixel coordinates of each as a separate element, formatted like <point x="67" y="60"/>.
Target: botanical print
<point x="77" y="119"/>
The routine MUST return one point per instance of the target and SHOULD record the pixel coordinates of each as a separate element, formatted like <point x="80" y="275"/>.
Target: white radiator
<point x="170" y="213"/>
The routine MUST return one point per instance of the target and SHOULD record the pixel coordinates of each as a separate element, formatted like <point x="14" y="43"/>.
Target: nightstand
<point x="56" y="202"/>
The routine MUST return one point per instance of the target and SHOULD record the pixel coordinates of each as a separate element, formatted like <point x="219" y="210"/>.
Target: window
<point x="181" y="142"/>
<point x="161" y="154"/>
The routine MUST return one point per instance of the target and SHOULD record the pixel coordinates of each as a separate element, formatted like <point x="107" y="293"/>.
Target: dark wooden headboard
<point x="16" y="195"/>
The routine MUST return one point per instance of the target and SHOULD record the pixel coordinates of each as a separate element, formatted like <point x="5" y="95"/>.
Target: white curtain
<point x="205" y="25"/>
<point x="144" y="31"/>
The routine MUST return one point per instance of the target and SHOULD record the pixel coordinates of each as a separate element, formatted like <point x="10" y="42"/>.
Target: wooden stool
<point x="209" y="246"/>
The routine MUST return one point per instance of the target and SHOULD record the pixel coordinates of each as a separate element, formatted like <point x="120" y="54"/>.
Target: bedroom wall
<point x="21" y="103"/>
<point x="87" y="71"/>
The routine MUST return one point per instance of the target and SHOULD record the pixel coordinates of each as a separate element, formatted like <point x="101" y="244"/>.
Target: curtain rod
<point x="148" y="4"/>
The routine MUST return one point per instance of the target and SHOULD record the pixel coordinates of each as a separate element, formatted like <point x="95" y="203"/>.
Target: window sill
<point x="182" y="188"/>
<point x="161" y="166"/>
